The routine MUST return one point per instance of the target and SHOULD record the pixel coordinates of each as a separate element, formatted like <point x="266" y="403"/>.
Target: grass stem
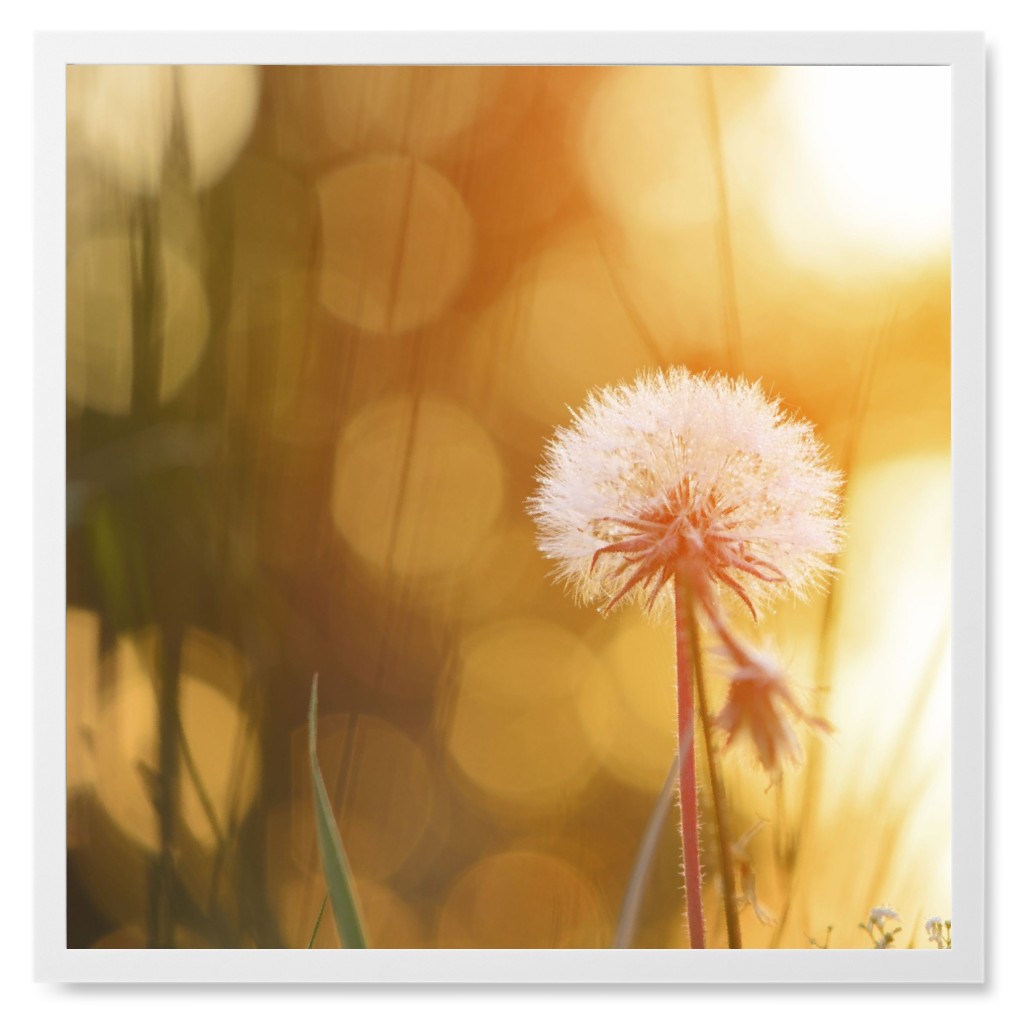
<point x="625" y="930"/>
<point x="732" y="921"/>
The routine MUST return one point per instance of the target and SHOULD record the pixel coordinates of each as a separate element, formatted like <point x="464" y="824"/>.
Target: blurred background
<point x="320" y="322"/>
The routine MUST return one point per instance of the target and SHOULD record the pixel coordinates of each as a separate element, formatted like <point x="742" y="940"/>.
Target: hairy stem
<point x="688" y="766"/>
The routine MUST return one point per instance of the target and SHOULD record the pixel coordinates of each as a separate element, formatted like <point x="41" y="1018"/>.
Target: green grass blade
<point x="332" y="853"/>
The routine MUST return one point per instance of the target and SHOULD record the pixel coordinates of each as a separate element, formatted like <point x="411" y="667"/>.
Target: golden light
<point x="124" y="115"/>
<point x="886" y="770"/>
<point x="100" y="334"/>
<point x="645" y="147"/>
<point x="417" y="110"/>
<point x="218" y="107"/>
<point x="557" y="330"/>
<point x="404" y="281"/>
<point x="522" y="191"/>
<point x="268" y="335"/>
<point x="632" y="717"/>
<point x="522" y="900"/>
<point x="867" y="170"/>
<point x="398" y="243"/>
<point x="390" y="922"/>
<point x="114" y="762"/>
<point x="895" y="621"/>
<point x="83" y="647"/>
<point x="221" y="743"/>
<point x="507" y="571"/>
<point x="382" y="789"/>
<point x="417" y="485"/>
<point x="515" y="731"/>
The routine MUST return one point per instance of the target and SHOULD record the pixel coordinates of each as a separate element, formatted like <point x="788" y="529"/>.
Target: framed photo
<point x="513" y="508"/>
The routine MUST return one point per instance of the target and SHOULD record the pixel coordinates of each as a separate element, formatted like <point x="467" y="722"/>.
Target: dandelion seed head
<point x="680" y="472"/>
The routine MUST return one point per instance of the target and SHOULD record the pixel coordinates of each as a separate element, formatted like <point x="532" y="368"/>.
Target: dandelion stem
<point x="732" y="921"/>
<point x="688" y="766"/>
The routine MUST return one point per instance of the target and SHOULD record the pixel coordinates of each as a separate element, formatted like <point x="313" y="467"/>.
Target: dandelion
<point x="702" y="488"/>
<point x="677" y="473"/>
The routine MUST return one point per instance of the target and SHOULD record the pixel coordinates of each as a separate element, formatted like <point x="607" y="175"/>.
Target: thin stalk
<point x="688" y="818"/>
<point x="641" y="873"/>
<point x="723" y="229"/>
<point x="732" y="920"/>
<point x="197" y="781"/>
<point x="170" y="785"/>
<point x="319" y="918"/>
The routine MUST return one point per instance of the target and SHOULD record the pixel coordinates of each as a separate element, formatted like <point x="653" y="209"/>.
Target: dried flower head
<point x="760" y="705"/>
<point x="683" y="473"/>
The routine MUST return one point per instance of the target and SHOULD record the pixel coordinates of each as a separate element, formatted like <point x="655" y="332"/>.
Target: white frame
<point x="965" y="53"/>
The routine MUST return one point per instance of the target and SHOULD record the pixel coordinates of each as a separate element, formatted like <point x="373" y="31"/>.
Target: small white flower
<point x="877" y="926"/>
<point x="939" y="932"/>
<point x="879" y="915"/>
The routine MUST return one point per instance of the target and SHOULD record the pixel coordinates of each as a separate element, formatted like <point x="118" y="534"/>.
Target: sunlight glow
<point x="869" y="168"/>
